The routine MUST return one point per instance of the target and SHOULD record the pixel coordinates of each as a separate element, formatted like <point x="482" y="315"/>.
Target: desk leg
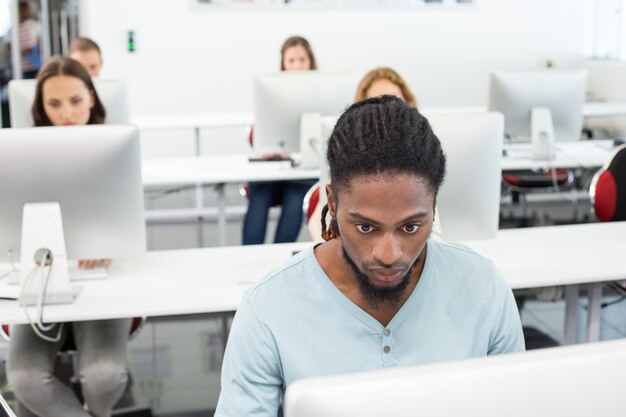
<point x="225" y="329"/>
<point x="221" y="215"/>
<point x="197" y="139"/>
<point x="199" y="206"/>
<point x="571" y="314"/>
<point x="594" y="311"/>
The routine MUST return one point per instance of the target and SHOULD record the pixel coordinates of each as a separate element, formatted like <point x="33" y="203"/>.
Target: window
<point x="606" y="35"/>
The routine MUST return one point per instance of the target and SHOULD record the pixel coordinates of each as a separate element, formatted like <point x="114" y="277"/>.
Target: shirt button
<point x="387" y="332"/>
<point x="386" y="349"/>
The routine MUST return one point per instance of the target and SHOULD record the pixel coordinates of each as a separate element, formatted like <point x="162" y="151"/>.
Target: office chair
<point x="522" y="182"/>
<point x="312" y="212"/>
<point x="67" y="370"/>
<point x="608" y="188"/>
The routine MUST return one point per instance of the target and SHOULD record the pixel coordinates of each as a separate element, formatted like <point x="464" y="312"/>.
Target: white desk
<point x="599" y="109"/>
<point x="218" y="170"/>
<point x="212" y="280"/>
<point x="586" y="154"/>
<point x="562" y="255"/>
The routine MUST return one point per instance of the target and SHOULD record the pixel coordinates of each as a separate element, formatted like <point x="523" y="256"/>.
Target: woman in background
<point x="65" y="95"/>
<point x="381" y="81"/>
<point x="296" y="55"/>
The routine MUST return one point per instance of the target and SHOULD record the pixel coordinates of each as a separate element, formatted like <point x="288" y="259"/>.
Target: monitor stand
<point x="43" y="257"/>
<point x="310" y="140"/>
<point x="542" y="134"/>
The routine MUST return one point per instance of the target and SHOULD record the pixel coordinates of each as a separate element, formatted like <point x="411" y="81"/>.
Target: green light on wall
<point x="131" y="41"/>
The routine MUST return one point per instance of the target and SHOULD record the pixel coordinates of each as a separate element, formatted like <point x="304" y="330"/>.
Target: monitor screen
<point x="573" y="381"/>
<point x="280" y="99"/>
<point x="516" y="93"/>
<point x="93" y="172"/>
<point x="468" y="204"/>
<point x="112" y="93"/>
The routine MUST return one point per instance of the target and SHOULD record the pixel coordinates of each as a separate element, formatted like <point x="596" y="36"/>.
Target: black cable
<point x="610" y="303"/>
<point x="160" y="194"/>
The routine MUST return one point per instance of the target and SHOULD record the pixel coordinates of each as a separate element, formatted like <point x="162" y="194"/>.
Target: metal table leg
<point x="571" y="314"/>
<point x="594" y="311"/>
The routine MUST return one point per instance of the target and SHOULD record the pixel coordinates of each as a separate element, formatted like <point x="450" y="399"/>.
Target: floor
<point x="175" y="363"/>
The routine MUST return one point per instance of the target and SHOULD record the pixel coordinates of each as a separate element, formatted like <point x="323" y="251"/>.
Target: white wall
<point x="191" y="60"/>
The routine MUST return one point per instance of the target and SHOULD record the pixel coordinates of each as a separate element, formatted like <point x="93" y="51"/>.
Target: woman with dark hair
<point x="296" y="55"/>
<point x="65" y="95"/>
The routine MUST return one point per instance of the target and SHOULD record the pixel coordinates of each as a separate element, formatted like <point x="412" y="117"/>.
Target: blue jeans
<point x="262" y="196"/>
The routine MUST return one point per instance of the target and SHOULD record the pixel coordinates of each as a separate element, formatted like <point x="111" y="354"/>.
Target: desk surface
<point x="575" y="154"/>
<point x="236" y="168"/>
<point x="213" y="280"/>
<point x="219" y="170"/>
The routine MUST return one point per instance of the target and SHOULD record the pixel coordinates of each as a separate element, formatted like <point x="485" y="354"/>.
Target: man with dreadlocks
<point x="379" y="293"/>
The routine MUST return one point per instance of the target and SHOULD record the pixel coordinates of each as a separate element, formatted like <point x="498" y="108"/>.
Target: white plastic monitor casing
<point x="93" y="172"/>
<point x="574" y="381"/>
<point x="42" y="230"/>
<point x="281" y="98"/>
<point x="113" y="94"/>
<point x="516" y="93"/>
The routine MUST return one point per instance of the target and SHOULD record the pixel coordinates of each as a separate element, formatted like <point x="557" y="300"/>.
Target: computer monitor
<point x="93" y="173"/>
<point x="281" y="99"/>
<point x="516" y="93"/>
<point x="112" y="93"/>
<point x="468" y="204"/>
<point x="573" y="381"/>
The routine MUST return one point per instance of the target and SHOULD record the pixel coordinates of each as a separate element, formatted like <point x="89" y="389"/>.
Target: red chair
<point x="310" y="201"/>
<point x="608" y="188"/>
<point x="312" y="212"/>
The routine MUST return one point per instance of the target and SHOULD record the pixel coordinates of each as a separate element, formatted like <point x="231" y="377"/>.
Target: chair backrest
<point x="608" y="188"/>
<point x="311" y="200"/>
<point x="4" y="332"/>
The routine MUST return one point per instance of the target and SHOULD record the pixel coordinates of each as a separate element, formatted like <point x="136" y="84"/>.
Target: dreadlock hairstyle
<point x="381" y="136"/>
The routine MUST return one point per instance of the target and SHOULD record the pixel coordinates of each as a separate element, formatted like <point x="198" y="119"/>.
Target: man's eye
<point x="364" y="228"/>
<point x="411" y="228"/>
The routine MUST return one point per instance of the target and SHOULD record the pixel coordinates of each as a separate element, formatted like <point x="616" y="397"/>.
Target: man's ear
<point x="332" y="204"/>
<point x="434" y="206"/>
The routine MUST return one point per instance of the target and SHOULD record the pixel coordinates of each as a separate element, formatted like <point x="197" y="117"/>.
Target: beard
<point x="375" y="296"/>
